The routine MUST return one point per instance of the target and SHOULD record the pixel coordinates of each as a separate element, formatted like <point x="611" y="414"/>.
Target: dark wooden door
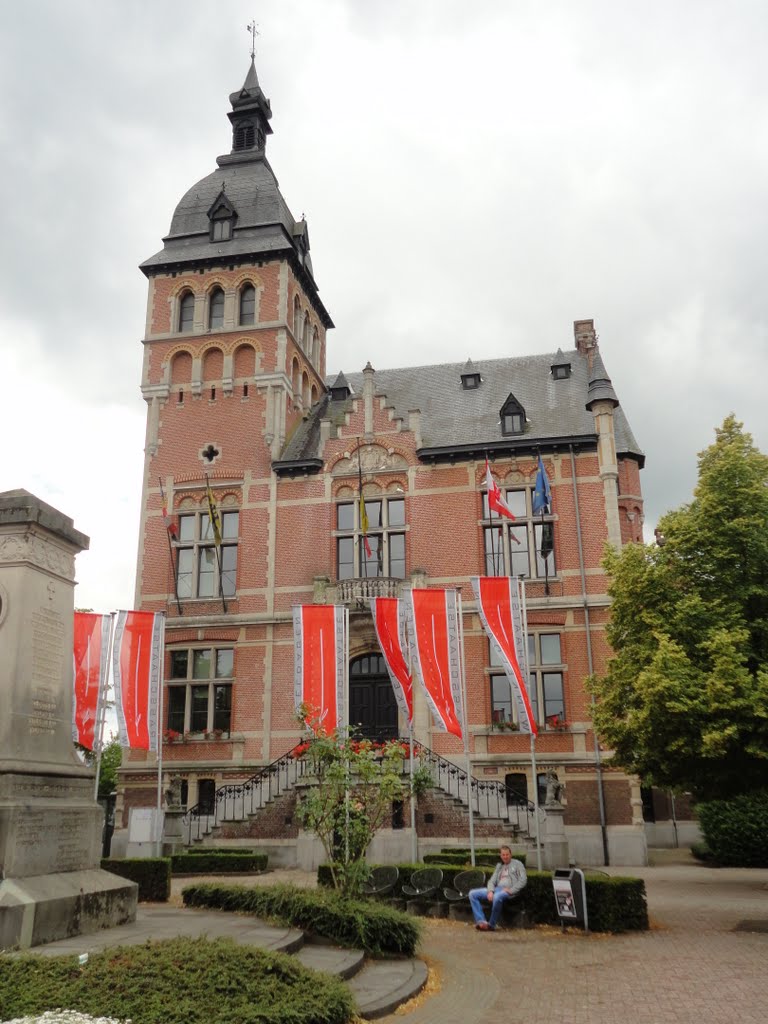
<point x="372" y="704"/>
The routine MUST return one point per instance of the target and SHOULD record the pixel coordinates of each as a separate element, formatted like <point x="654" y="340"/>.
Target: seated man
<point x="507" y="880"/>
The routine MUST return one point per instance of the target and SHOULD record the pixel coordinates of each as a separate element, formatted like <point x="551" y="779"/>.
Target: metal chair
<point x="462" y="883"/>
<point x="381" y="881"/>
<point x="424" y="883"/>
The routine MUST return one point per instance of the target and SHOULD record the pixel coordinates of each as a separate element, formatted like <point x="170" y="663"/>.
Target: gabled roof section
<point x="222" y="205"/>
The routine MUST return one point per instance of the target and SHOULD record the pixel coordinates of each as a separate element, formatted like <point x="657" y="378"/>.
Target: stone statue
<point x="173" y="792"/>
<point x="555" y="789"/>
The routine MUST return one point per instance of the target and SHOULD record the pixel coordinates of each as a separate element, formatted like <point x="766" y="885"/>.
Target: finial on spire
<point x="254" y="32"/>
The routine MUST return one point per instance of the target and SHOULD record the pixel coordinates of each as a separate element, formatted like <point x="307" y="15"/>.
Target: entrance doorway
<point x="372" y="704"/>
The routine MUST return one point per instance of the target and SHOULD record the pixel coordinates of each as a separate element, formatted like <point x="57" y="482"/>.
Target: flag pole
<point x="361" y="513"/>
<point x="524" y="615"/>
<point x="345" y="729"/>
<point x="159" y="738"/>
<point x="213" y="515"/>
<point x="465" y="727"/>
<point x="101" y="707"/>
<point x="174" y="565"/>
<point x="414" y="842"/>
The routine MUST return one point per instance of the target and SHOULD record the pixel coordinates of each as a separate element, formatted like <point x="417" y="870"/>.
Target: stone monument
<point x="51" y="885"/>
<point x="556" y="851"/>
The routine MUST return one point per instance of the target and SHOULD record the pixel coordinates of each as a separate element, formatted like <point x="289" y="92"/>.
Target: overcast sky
<point x="475" y="178"/>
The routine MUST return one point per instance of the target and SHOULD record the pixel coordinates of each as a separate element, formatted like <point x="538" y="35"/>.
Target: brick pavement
<point x="690" y="968"/>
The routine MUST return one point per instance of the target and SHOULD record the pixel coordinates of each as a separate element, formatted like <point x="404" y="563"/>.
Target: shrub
<point x="359" y="924"/>
<point x="483" y="858"/>
<point x="217" y="863"/>
<point x="152" y="873"/>
<point x="702" y="852"/>
<point x="205" y="850"/>
<point x="179" y="981"/>
<point x="735" y="830"/>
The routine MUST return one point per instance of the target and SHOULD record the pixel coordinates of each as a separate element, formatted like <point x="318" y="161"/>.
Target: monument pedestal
<point x="50" y="824"/>
<point x="556" y="852"/>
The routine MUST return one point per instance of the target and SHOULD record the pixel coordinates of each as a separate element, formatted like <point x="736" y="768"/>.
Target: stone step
<point x="383" y="985"/>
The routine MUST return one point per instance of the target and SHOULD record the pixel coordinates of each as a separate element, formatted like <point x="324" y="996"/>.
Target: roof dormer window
<point x="470" y="378"/>
<point x="222" y="216"/>
<point x="512" y="417"/>
<point x="561" y="371"/>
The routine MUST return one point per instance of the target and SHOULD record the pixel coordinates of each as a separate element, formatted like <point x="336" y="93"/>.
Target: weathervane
<point x="254" y="32"/>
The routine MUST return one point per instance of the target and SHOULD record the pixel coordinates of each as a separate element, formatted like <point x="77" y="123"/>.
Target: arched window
<point x="307" y="334"/>
<point x="186" y="312"/>
<point x="297" y="320"/>
<point x="247" y="304"/>
<point x="315" y="347"/>
<point x="216" y="308"/>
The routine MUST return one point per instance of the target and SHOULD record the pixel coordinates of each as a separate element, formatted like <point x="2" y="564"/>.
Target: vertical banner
<point x="137" y="673"/>
<point x="390" y="624"/>
<point x="319" y="663"/>
<point x="435" y="653"/>
<point x="499" y="608"/>
<point x="91" y="650"/>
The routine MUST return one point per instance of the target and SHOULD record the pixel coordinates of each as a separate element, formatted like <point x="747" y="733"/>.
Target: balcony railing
<point x="359" y="591"/>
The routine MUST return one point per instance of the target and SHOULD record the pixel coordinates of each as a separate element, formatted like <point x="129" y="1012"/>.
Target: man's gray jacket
<point x="517" y="877"/>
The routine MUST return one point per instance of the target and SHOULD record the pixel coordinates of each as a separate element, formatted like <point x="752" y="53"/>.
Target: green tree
<point x="684" y="701"/>
<point x="354" y="785"/>
<point x="111" y="759"/>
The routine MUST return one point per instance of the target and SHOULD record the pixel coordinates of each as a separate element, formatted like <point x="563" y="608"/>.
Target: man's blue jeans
<point x="478" y="898"/>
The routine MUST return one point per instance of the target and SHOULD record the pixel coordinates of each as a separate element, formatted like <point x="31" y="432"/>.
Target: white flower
<point x="64" y="1017"/>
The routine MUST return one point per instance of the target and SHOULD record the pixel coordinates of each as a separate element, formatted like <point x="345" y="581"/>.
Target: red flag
<point x="136" y="673"/>
<point x="495" y="501"/>
<point x="389" y="621"/>
<point x="499" y="608"/>
<point x="434" y="627"/>
<point x="91" y="647"/>
<point x="171" y="527"/>
<point x="319" y="632"/>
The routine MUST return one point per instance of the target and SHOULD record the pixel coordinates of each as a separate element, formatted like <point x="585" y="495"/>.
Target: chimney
<point x="584" y="334"/>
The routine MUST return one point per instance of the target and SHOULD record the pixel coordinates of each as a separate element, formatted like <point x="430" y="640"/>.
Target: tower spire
<point x="251" y="111"/>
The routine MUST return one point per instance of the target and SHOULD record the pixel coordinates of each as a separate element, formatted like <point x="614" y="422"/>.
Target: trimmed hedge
<point x="613" y="904"/>
<point x="152" y="873"/>
<point x="358" y="924"/>
<point x="462" y="858"/>
<point x="218" y="863"/>
<point x="194" y="850"/>
<point x="735" y="830"/>
<point x="178" y="981"/>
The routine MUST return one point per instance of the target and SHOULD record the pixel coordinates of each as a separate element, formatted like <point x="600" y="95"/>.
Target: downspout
<point x="590" y="664"/>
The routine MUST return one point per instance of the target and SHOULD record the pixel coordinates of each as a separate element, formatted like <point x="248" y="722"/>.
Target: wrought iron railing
<point x="490" y="798"/>
<point x="237" y="800"/>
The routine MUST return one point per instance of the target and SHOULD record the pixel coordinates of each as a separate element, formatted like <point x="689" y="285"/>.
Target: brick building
<point x="234" y="377"/>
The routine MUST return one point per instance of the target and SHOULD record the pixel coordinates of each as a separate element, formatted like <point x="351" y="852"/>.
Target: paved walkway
<point x="704" y="961"/>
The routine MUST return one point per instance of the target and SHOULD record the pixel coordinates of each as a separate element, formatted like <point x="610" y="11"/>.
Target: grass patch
<point x="179" y="981"/>
<point x="357" y="924"/>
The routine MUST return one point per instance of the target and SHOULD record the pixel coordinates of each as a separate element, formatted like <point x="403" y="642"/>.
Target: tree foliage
<point x="111" y="759"/>
<point x="356" y="783"/>
<point x="684" y="702"/>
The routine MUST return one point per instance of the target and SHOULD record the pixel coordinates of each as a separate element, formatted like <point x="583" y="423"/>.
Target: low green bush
<point x="483" y="858"/>
<point x="152" y="873"/>
<point x="613" y="904"/>
<point x="702" y="852"/>
<point x="178" y="981"/>
<point x="218" y="849"/>
<point x="218" y="863"/>
<point x="358" y="924"/>
<point x="735" y="830"/>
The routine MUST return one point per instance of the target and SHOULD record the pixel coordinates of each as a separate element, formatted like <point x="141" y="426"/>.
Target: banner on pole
<point x="91" y="650"/>
<point x="433" y="623"/>
<point x="320" y="646"/>
<point x="499" y="607"/>
<point x="137" y="674"/>
<point x="389" y="620"/>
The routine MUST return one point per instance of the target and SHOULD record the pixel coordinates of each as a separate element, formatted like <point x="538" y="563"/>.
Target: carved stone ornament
<point x="17" y="547"/>
<point x="373" y="459"/>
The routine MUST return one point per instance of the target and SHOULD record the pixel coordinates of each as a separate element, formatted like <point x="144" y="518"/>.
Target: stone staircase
<point x="496" y="812"/>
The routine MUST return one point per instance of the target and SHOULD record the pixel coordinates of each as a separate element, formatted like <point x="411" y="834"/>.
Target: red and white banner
<point x="499" y="606"/>
<point x="137" y="668"/>
<point x="433" y="622"/>
<point x="320" y="644"/>
<point x="91" y="650"/>
<point x="389" y="619"/>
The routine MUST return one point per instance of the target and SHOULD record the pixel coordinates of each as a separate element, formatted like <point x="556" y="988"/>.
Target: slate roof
<point x="454" y="419"/>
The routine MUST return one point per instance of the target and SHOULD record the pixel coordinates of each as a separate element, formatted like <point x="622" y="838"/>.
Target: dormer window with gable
<point x="512" y="417"/>
<point x="561" y="371"/>
<point x="470" y="378"/>
<point x="222" y="217"/>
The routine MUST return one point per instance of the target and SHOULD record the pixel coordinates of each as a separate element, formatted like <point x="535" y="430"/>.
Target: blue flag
<point x="542" y="496"/>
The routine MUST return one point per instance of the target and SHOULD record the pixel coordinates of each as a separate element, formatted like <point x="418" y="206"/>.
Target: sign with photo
<point x="564" y="898"/>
